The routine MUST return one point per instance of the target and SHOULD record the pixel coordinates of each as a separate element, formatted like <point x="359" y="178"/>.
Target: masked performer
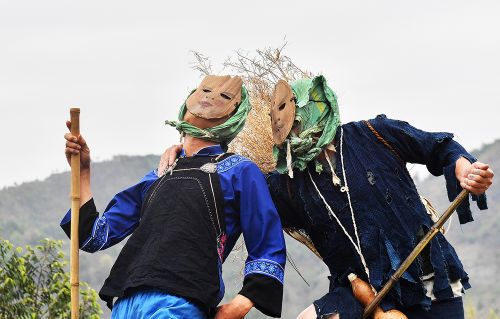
<point x="346" y="187"/>
<point x="185" y="221"/>
<point x="345" y="191"/>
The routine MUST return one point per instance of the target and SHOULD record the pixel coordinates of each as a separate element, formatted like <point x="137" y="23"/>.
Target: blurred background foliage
<point x="34" y="283"/>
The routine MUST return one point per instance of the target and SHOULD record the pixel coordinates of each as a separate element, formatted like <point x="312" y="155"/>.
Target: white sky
<point x="435" y="64"/>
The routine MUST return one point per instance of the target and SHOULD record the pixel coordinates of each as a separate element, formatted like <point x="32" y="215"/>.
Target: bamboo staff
<point x="75" y="216"/>
<point x="413" y="255"/>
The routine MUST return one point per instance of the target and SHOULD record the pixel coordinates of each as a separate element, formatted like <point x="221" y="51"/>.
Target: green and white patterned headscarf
<point x="222" y="133"/>
<point x="317" y="113"/>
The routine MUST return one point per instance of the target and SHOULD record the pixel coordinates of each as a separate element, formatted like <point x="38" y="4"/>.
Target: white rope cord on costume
<point x="357" y="246"/>
<point x="449" y="225"/>
<point x="335" y="178"/>
<point x="349" y="196"/>
<point x="340" y="224"/>
<point x="289" y="158"/>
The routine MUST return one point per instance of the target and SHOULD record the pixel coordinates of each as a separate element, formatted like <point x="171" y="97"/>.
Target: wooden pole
<point x="75" y="216"/>
<point x="413" y="255"/>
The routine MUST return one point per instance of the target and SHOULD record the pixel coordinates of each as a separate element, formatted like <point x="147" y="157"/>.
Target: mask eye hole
<point x="282" y="106"/>
<point x="207" y="90"/>
<point x="225" y="96"/>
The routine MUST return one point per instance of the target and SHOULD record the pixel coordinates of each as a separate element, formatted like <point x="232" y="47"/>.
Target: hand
<point x="77" y="145"/>
<point x="476" y="177"/>
<point x="236" y="309"/>
<point x="168" y="157"/>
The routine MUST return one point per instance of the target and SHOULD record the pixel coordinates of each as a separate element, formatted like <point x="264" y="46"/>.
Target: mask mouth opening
<point x="202" y="122"/>
<point x="216" y="97"/>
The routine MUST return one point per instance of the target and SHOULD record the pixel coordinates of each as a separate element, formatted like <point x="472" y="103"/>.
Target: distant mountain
<point x="32" y="211"/>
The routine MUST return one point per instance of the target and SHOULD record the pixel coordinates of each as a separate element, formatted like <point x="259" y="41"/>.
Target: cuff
<point x="88" y="215"/>
<point x="265" y="292"/>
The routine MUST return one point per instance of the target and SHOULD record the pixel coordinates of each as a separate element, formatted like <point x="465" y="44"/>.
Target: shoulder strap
<point x="382" y="140"/>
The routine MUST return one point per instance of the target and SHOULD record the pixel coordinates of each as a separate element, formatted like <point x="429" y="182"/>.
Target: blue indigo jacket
<point x="389" y="215"/>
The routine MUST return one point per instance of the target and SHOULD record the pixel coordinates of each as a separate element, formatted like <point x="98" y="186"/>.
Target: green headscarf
<point x="222" y="133"/>
<point x="317" y="112"/>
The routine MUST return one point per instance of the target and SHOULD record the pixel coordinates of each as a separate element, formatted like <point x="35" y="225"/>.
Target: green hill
<point x="31" y="211"/>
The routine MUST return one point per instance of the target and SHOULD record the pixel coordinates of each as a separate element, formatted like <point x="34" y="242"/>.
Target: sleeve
<point x="284" y="200"/>
<point x="438" y="151"/>
<point x="119" y="219"/>
<point x="261" y="228"/>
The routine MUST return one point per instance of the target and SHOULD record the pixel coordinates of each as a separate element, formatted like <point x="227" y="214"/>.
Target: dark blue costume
<point x="248" y="210"/>
<point x="388" y="212"/>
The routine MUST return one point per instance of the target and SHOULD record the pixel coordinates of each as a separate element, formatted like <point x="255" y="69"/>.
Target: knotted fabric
<point x="317" y="119"/>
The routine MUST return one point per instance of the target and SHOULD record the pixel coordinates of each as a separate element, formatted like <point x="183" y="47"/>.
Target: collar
<point x="206" y="151"/>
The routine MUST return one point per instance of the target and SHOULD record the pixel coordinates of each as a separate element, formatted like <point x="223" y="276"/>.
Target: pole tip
<point x="74" y="110"/>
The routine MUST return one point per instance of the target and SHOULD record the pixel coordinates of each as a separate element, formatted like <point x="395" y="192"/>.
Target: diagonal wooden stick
<point x="75" y="216"/>
<point x="413" y="255"/>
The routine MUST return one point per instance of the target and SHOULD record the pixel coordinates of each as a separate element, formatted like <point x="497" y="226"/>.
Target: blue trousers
<point x="152" y="304"/>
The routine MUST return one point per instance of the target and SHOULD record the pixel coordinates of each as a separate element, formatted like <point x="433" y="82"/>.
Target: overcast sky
<point x="127" y="66"/>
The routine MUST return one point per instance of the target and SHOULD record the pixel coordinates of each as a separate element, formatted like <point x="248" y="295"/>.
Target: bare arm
<point x="235" y="309"/>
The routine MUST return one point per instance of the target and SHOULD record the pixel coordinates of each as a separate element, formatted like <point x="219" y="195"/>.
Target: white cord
<point x="335" y="178"/>
<point x="345" y="188"/>
<point x="449" y="226"/>
<point x="289" y="158"/>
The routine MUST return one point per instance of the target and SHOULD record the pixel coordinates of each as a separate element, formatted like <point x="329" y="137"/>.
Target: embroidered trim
<point x="230" y="162"/>
<point x="99" y="236"/>
<point x="265" y="267"/>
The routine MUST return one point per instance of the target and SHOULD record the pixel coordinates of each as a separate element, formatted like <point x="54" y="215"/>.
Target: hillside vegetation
<point x="31" y="211"/>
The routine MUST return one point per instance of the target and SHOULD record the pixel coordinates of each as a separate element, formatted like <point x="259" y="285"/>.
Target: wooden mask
<point x="282" y="111"/>
<point x="216" y="97"/>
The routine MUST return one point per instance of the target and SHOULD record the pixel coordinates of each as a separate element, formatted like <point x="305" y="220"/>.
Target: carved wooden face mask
<point x="282" y="111"/>
<point x="216" y="97"/>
